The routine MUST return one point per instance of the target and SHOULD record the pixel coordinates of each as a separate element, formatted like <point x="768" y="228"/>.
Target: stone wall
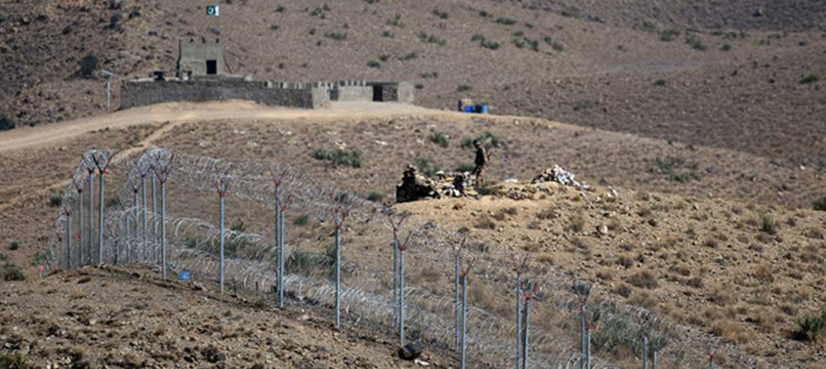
<point x="352" y="93"/>
<point x="141" y="93"/>
<point x="392" y="91"/>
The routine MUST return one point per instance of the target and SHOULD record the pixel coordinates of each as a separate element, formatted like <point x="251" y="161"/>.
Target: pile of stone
<point x="415" y="186"/>
<point x="558" y="175"/>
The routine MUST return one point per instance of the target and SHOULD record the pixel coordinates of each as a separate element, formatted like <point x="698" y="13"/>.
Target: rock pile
<point x="558" y="175"/>
<point x="415" y="187"/>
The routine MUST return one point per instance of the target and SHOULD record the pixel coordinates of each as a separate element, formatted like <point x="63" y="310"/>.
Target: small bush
<point x="810" y="327"/>
<point x="726" y="47"/>
<point x="486" y="138"/>
<point x="396" y="21"/>
<point x="339" y="157"/>
<point x="388" y="34"/>
<point x="375" y="196"/>
<point x="767" y="223"/>
<point x="419" y="86"/>
<point x="617" y="335"/>
<point x="89" y="65"/>
<point x="669" y="35"/>
<point x="315" y="263"/>
<point x="570" y="12"/>
<point x="659" y="82"/>
<point x="336" y="36"/>
<point x="426" y="167"/>
<point x="671" y="167"/>
<point x="441" y="14"/>
<point x="696" y="43"/>
<point x="302" y="220"/>
<point x="55" y="201"/>
<point x="463" y="88"/>
<point x="556" y="46"/>
<point x="440" y="139"/>
<point x="431" y="39"/>
<point x="465" y="167"/>
<point x="13" y="360"/>
<point x="5" y="123"/>
<point x="279" y="9"/>
<point x="809" y="78"/>
<point x="10" y="272"/>
<point x="505" y="21"/>
<point x="274" y="27"/>
<point x="820" y="204"/>
<point x="644" y="279"/>
<point x="13" y="246"/>
<point x="384" y="57"/>
<point x="408" y="57"/>
<point x="373" y="64"/>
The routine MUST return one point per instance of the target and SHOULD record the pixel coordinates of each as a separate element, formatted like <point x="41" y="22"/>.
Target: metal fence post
<point x="144" y="213"/>
<point x="526" y="345"/>
<point x="136" y="210"/>
<point x="163" y="226"/>
<point x="395" y="278"/>
<point x="221" y="266"/>
<point x="464" y="322"/>
<point x="79" y="189"/>
<point x="645" y="351"/>
<point x="518" y="316"/>
<point x="458" y="302"/>
<point x="91" y="213"/>
<point x="588" y="360"/>
<point x="154" y="229"/>
<point x="401" y="298"/>
<point x="68" y="238"/>
<point x="281" y="261"/>
<point x="338" y="272"/>
<point x="102" y="219"/>
<point x="582" y="337"/>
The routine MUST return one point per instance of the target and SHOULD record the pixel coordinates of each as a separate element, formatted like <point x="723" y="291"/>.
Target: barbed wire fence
<point x="368" y="277"/>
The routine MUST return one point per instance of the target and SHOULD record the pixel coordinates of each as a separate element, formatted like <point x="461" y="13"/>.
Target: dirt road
<point x="179" y="113"/>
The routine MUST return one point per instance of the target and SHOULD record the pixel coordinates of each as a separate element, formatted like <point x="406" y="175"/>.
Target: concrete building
<point x="201" y="57"/>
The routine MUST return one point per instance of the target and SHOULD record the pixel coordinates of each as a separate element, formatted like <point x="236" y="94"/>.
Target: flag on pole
<point x="213" y="10"/>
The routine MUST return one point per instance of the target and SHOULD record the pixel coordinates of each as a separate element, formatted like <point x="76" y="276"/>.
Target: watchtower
<point x="201" y="57"/>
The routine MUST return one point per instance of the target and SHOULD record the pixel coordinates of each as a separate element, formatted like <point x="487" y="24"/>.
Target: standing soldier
<point x="482" y="157"/>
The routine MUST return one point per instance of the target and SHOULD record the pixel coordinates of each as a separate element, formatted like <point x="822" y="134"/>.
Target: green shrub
<point x="431" y="39"/>
<point x="809" y="78"/>
<point x="396" y="21"/>
<point x="617" y="336"/>
<point x="677" y="169"/>
<point x="767" y="223"/>
<point x="820" y="204"/>
<point x="483" y="14"/>
<point x="238" y="226"/>
<point x="726" y="47"/>
<point x="463" y="88"/>
<point x="10" y="272"/>
<point x="338" y="157"/>
<point x="505" y="21"/>
<point x="316" y="264"/>
<point x="15" y="360"/>
<point x="419" y="86"/>
<point x="441" y="14"/>
<point x="55" y="201"/>
<point x="696" y="43"/>
<point x="556" y="46"/>
<point x="312" y="31"/>
<point x="336" y="36"/>
<point x="669" y="35"/>
<point x="13" y="246"/>
<point x="810" y="327"/>
<point x="387" y="34"/>
<point x="409" y="56"/>
<point x="384" y="57"/>
<point x="373" y="64"/>
<point x="302" y="220"/>
<point x="440" y="139"/>
<point x="570" y="12"/>
<point x="5" y="123"/>
<point x="486" y="138"/>
<point x="465" y="167"/>
<point x="426" y="167"/>
<point x="375" y="196"/>
<point x="659" y="82"/>
<point x="279" y="9"/>
<point x="89" y="65"/>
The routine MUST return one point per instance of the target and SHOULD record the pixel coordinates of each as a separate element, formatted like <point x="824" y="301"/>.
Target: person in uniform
<point x="482" y="157"/>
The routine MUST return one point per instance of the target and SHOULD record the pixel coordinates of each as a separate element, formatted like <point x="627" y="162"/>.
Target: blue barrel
<point x="469" y="109"/>
<point x="485" y="109"/>
<point x="183" y="276"/>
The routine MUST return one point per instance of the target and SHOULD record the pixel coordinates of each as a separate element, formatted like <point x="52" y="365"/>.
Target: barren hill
<point x="728" y="84"/>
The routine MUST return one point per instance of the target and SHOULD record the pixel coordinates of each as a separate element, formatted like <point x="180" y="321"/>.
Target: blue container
<point x="468" y="109"/>
<point x="183" y="276"/>
<point x="485" y="109"/>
